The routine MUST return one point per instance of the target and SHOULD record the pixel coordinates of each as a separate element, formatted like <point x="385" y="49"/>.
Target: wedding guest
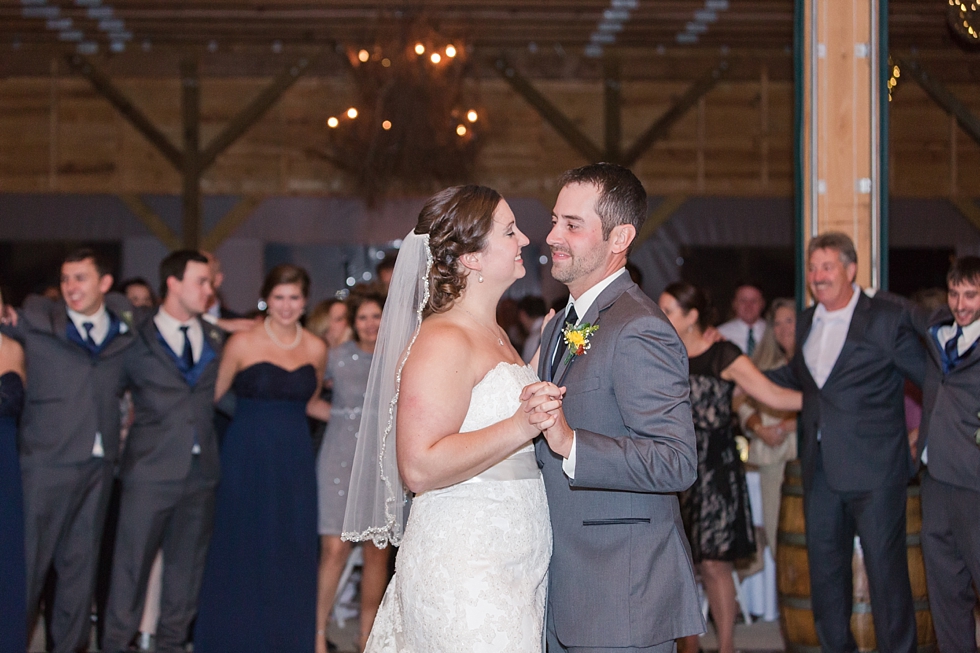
<point x="138" y="292"/>
<point x="773" y="432"/>
<point x="716" y="510"/>
<point x="328" y="321"/>
<point x="347" y="370"/>
<point x="169" y="468"/>
<point x="69" y="436"/>
<point x="259" y="588"/>
<point x="13" y="607"/>
<point x="747" y="327"/>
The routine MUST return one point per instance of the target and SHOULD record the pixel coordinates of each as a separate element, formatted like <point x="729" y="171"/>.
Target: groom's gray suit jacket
<point x="621" y="573"/>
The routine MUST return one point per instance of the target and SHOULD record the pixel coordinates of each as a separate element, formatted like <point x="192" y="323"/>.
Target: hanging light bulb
<point x="461" y="130"/>
<point x="419" y="49"/>
<point x="332" y="122"/>
<point x="471" y="115"/>
<point x="352" y="113"/>
<point x="436" y="57"/>
<point x="450" y="51"/>
<point x="386" y="125"/>
<point x="363" y="56"/>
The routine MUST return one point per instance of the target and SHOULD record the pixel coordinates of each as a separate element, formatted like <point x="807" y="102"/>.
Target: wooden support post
<point x="191" y="105"/>
<point x="661" y="127"/>
<point x="941" y="96"/>
<point x="658" y="217"/>
<point x="552" y="115"/>
<point x="612" y="85"/>
<point x="151" y="220"/>
<point x="136" y="118"/>
<point x="230" y="221"/>
<point x="841" y="153"/>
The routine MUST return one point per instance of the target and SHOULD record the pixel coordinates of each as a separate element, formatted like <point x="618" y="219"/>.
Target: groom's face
<point x="579" y="253"/>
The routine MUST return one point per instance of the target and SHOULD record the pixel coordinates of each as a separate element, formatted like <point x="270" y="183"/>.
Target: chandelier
<point x="414" y="123"/>
<point x="964" y="20"/>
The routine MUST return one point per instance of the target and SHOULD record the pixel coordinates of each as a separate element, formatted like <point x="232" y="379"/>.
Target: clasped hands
<point x="542" y="405"/>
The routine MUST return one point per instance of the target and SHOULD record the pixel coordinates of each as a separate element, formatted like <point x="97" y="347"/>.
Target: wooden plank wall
<point x="58" y="135"/>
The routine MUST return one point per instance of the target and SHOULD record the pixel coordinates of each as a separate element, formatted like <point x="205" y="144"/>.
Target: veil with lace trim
<point x="377" y="502"/>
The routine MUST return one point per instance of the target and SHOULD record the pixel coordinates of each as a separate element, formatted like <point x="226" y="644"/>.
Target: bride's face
<point x="501" y="258"/>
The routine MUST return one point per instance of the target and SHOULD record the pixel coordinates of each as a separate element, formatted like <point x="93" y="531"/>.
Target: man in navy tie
<point x="169" y="470"/>
<point x="69" y="436"/>
<point x="950" y="434"/>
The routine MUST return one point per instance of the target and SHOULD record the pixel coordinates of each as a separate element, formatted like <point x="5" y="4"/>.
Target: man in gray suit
<point x="950" y="434"/>
<point x="852" y="352"/>
<point x="621" y="577"/>
<point x="69" y="436"/>
<point x="170" y="467"/>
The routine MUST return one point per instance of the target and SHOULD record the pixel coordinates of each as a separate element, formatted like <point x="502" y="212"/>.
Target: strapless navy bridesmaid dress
<point x="259" y="589"/>
<point x="13" y="582"/>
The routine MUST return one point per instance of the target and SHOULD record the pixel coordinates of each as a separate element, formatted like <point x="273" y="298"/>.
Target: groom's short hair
<point x="621" y="200"/>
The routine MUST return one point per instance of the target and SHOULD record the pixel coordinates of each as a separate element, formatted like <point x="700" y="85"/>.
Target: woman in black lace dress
<point x="716" y="510"/>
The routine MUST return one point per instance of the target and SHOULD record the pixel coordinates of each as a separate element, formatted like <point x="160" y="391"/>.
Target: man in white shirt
<point x="747" y="327"/>
<point x="951" y="457"/>
<point x="170" y="468"/>
<point x="69" y="436"/>
<point x="852" y="352"/>
<point x="621" y="577"/>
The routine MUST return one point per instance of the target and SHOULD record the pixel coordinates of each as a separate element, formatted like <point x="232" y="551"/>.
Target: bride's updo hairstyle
<point x="458" y="221"/>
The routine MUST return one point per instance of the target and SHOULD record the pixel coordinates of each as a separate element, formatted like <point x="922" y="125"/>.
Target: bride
<point x="443" y="417"/>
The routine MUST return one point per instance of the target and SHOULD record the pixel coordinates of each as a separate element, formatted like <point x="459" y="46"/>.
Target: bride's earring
<point x="479" y="277"/>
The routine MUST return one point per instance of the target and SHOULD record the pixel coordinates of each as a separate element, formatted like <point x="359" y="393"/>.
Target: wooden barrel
<point x="793" y="576"/>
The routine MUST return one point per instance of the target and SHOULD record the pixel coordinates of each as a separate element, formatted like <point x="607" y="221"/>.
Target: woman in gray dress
<point x="347" y="370"/>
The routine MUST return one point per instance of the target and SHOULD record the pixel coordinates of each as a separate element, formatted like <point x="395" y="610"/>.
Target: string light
<point x="419" y="49"/>
<point x="894" y="72"/>
<point x="436" y="57"/>
<point x="471" y="115"/>
<point x="363" y="56"/>
<point x="461" y="130"/>
<point x="332" y="122"/>
<point x="450" y="51"/>
<point x="386" y="125"/>
<point x="352" y="113"/>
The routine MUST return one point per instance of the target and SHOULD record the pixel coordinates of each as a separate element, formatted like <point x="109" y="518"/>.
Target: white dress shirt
<point x="99" y="321"/>
<point x="826" y="338"/>
<point x="100" y="329"/>
<point x="169" y="328"/>
<point x="582" y="305"/>
<point x="970" y="333"/>
<point x="737" y="331"/>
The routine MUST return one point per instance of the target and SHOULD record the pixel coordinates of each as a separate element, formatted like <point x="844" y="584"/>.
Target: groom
<point x="621" y="577"/>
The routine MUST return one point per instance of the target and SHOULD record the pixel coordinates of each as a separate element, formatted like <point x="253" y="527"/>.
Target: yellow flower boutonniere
<point x="577" y="339"/>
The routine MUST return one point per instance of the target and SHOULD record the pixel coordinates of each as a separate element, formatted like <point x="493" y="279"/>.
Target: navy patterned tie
<point x="952" y="348"/>
<point x="187" y="355"/>
<point x="750" y="344"/>
<point x="570" y="320"/>
<point x="89" y="340"/>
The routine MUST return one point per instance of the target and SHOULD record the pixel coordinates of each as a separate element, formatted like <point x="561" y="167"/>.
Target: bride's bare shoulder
<point x="440" y="336"/>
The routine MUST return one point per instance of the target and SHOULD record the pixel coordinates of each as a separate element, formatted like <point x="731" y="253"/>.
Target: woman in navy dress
<point x="13" y="582"/>
<point x="259" y="589"/>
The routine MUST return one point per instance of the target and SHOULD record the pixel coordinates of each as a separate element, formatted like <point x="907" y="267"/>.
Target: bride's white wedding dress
<point x="472" y="571"/>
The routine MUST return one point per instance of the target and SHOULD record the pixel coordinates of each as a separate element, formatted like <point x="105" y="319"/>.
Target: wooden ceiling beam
<point x="943" y="97"/>
<point x="552" y="114"/>
<point x="129" y="111"/>
<point x="661" y="127"/>
<point x="253" y="112"/>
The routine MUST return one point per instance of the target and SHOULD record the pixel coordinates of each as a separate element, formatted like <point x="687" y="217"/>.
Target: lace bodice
<point x="497" y="396"/>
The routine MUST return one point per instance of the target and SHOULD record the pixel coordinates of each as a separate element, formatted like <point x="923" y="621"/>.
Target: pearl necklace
<point x="279" y="343"/>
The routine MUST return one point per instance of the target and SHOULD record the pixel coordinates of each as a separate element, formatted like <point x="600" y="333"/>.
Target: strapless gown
<point x="13" y="582"/>
<point x="472" y="571"/>
<point x="259" y="588"/>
